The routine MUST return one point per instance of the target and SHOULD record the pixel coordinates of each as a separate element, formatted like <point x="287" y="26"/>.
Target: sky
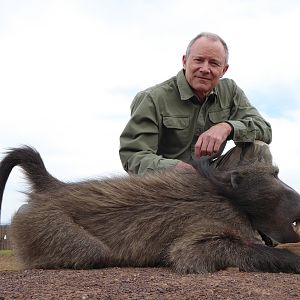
<point x="69" y="70"/>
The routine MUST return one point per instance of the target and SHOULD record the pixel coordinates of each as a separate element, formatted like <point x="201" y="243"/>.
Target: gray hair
<point x="211" y="36"/>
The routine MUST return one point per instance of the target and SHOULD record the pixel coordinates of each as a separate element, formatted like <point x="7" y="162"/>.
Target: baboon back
<point x="192" y="222"/>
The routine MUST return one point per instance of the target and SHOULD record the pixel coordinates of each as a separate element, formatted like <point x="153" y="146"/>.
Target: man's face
<point x="205" y="65"/>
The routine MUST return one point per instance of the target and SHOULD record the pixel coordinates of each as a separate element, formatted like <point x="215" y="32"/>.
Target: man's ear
<point x="236" y="179"/>
<point x="224" y="70"/>
<point x="183" y="61"/>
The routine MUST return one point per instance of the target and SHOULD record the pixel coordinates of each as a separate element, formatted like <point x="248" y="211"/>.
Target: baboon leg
<point x="53" y="240"/>
<point x="216" y="253"/>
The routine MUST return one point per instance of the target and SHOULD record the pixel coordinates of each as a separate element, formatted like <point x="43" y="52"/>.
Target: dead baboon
<point x="192" y="222"/>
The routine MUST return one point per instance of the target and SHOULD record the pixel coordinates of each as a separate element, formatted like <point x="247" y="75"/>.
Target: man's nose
<point x="205" y="67"/>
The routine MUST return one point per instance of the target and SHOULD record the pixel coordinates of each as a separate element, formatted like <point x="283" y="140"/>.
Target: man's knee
<point x="244" y="153"/>
<point x="256" y="151"/>
<point x="260" y="143"/>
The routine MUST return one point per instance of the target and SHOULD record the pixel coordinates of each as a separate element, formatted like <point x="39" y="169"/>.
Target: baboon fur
<point x="192" y="222"/>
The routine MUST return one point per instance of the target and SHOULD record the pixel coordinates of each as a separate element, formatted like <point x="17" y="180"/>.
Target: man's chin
<point x="203" y="90"/>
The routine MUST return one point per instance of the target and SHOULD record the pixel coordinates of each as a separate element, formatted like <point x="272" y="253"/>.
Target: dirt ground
<point x="142" y="283"/>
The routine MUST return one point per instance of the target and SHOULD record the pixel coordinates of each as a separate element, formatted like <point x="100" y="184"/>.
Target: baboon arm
<point x="217" y="253"/>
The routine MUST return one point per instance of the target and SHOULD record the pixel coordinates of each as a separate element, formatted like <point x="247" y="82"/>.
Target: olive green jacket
<point x="167" y="119"/>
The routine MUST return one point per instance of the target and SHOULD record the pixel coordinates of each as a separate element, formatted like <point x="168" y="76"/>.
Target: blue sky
<point x="70" y="69"/>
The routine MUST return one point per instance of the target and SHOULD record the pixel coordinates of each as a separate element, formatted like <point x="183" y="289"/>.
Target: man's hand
<point x="210" y="141"/>
<point x="184" y="167"/>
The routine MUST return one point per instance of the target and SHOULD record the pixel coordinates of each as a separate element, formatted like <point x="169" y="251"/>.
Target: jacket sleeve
<point x="139" y="139"/>
<point x="248" y="125"/>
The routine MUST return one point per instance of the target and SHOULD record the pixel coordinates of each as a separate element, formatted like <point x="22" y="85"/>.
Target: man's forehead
<point x="205" y="46"/>
<point x="207" y="42"/>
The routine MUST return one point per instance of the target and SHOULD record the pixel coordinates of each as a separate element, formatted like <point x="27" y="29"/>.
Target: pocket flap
<point x="219" y="116"/>
<point x="176" y="122"/>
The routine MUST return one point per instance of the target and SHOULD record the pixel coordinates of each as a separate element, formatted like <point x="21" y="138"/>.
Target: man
<point x="193" y="115"/>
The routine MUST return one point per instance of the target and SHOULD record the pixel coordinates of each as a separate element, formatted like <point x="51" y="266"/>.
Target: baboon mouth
<point x="268" y="240"/>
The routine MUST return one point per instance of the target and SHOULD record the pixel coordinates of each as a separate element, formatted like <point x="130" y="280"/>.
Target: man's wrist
<point x="230" y="130"/>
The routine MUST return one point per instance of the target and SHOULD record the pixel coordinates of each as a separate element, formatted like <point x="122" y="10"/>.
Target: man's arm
<point x="245" y="124"/>
<point x="139" y="140"/>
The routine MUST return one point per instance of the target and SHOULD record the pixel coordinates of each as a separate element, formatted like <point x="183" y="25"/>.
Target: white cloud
<point x="69" y="71"/>
<point x="286" y="147"/>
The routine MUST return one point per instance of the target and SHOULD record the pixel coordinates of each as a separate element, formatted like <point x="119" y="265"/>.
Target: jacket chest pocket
<point x="219" y="116"/>
<point x="175" y="134"/>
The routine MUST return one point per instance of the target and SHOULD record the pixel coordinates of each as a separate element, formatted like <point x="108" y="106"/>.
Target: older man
<point x="193" y="114"/>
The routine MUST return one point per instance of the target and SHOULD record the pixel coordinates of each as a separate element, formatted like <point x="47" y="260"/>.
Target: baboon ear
<point x="202" y="166"/>
<point x="236" y="179"/>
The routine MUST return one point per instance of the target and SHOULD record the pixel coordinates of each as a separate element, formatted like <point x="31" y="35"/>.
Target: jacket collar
<point x="185" y="91"/>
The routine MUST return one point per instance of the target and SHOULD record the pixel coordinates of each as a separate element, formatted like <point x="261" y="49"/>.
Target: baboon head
<point x="271" y="205"/>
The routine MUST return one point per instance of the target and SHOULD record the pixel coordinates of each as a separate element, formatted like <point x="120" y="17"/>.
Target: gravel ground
<point x="146" y="283"/>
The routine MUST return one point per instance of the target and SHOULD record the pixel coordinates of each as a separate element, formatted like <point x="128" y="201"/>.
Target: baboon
<point x="193" y="222"/>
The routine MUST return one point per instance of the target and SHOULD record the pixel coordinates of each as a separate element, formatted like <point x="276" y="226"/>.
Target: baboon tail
<point x="32" y="164"/>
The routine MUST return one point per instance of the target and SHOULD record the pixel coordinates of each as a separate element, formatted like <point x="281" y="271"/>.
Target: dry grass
<point x="8" y="261"/>
<point x="6" y="253"/>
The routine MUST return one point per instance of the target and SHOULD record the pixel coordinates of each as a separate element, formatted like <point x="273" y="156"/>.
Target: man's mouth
<point x="203" y="78"/>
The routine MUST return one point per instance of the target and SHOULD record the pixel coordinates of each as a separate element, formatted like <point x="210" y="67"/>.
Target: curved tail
<point x="32" y="164"/>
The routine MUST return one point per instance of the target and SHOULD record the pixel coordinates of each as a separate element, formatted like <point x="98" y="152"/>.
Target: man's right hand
<point x="210" y="141"/>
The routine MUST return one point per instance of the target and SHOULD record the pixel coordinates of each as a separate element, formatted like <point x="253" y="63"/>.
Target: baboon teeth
<point x="296" y="226"/>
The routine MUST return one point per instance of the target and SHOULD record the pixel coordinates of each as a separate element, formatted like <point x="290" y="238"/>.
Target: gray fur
<point x="191" y="222"/>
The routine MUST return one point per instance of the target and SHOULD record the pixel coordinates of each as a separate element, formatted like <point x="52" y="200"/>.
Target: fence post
<point x="4" y="237"/>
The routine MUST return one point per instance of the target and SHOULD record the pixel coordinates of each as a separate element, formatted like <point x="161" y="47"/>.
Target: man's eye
<point x="215" y="64"/>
